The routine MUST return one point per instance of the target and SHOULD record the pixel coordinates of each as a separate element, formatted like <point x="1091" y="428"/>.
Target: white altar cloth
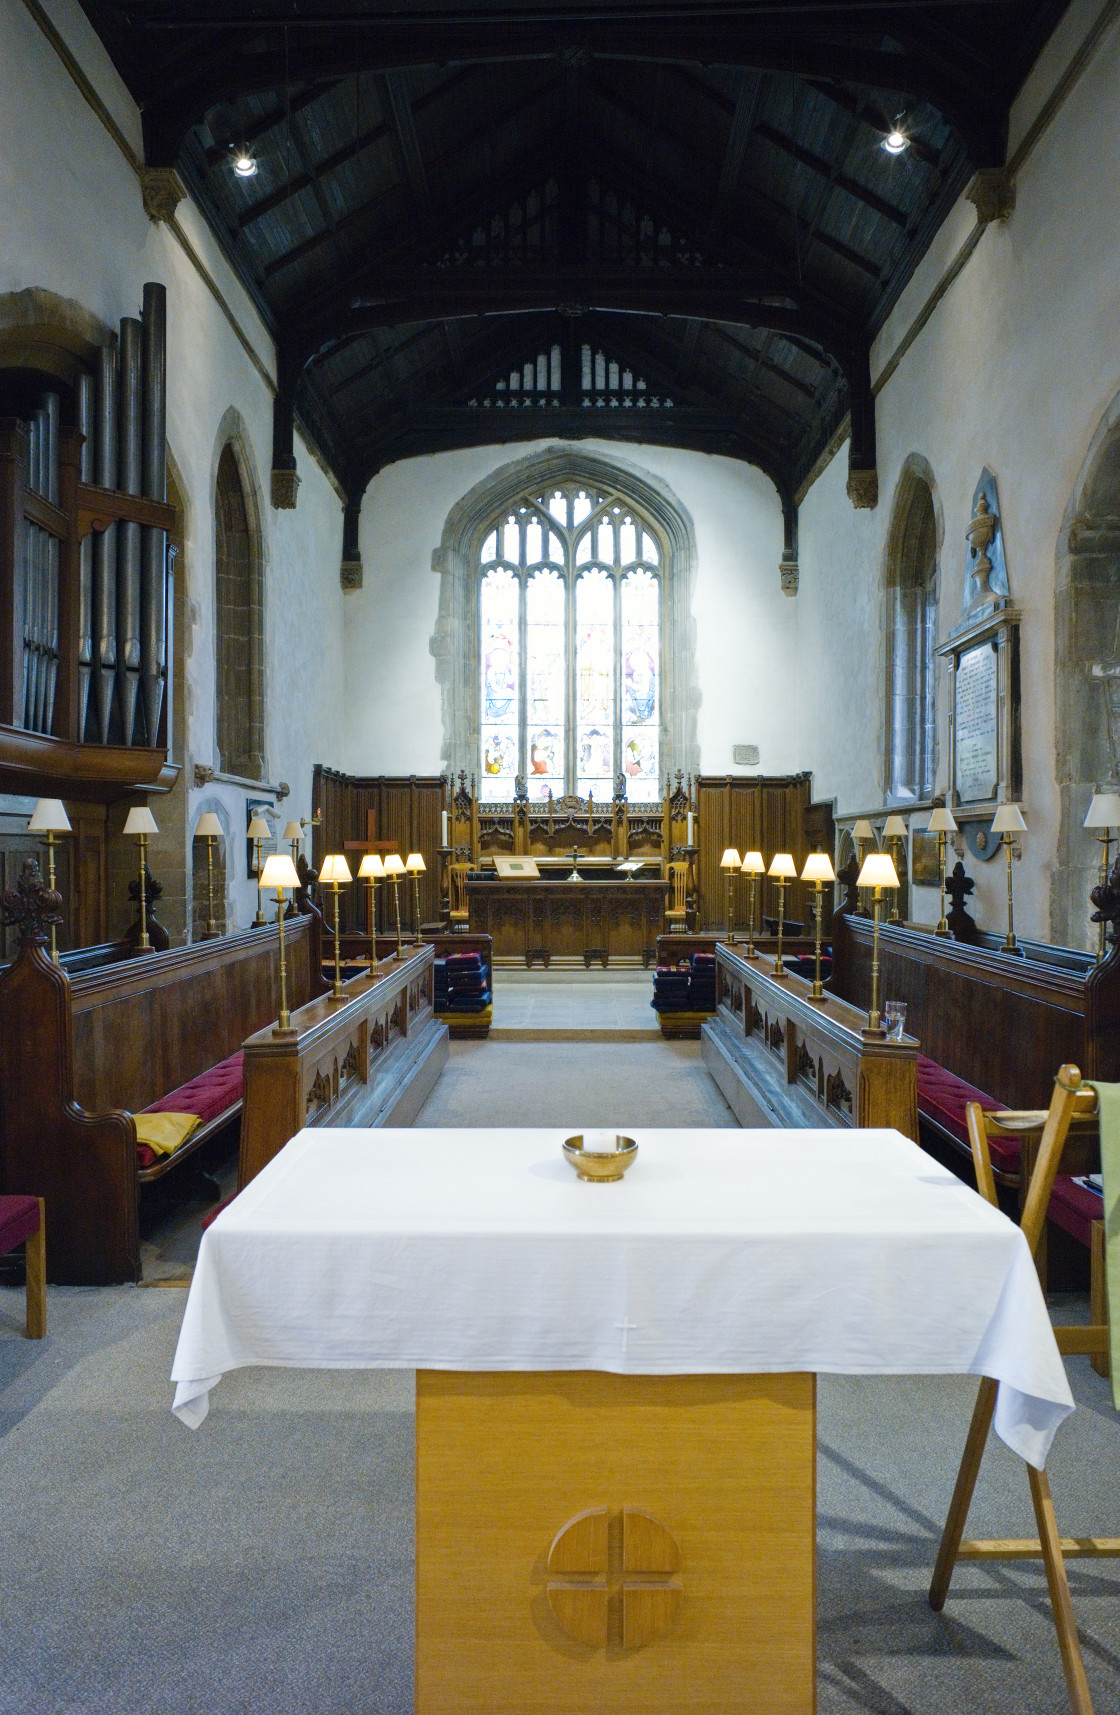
<point x="720" y="1252"/>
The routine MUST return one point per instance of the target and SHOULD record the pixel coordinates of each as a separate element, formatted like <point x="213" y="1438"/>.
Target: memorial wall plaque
<point x="976" y="717"/>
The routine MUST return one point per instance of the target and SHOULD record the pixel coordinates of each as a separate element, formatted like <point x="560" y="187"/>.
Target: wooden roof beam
<point x="817" y="164"/>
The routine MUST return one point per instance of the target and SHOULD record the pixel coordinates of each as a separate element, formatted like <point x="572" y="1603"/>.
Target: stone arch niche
<point x="910" y="586"/>
<point x="1087" y="675"/>
<point x="454" y="644"/>
<point x="238" y="619"/>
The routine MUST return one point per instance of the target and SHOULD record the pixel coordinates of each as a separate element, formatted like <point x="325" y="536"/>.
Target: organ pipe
<point x="129" y="477"/>
<point x="153" y="545"/>
<point x="105" y="541"/>
<point x="52" y="475"/>
<point x="86" y="412"/>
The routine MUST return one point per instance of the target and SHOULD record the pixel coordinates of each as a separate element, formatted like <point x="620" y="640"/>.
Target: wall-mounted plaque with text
<point x="976" y="720"/>
<point x="985" y="749"/>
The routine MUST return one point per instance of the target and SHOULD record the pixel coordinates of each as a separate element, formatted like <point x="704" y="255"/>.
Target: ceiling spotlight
<point x="895" y="141"/>
<point x="244" y="164"/>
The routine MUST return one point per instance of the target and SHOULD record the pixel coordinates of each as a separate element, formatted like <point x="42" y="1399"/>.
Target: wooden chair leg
<point x="1080" y="1702"/>
<point x="35" y="1269"/>
<point x="1098" y="1293"/>
<point x="982" y="1413"/>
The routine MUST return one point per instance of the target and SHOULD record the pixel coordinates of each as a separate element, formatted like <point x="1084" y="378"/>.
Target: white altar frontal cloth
<point x="719" y="1252"/>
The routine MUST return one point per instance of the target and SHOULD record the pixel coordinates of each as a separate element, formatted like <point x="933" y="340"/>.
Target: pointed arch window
<point x="571" y="639"/>
<point x="911" y="645"/>
<point x="240" y="631"/>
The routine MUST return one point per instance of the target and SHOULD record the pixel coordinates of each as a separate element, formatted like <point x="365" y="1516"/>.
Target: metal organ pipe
<point x="130" y="472"/>
<point x="153" y="545"/>
<point x="86" y="413"/>
<point x="105" y="541"/>
<point x="31" y="655"/>
<point x="52" y="474"/>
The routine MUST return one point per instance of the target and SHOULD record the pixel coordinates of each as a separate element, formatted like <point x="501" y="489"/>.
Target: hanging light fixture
<point x="896" y="142"/>
<point x="244" y="164"/>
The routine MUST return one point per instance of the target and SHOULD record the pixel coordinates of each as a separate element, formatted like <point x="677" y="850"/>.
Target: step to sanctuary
<point x="561" y="1033"/>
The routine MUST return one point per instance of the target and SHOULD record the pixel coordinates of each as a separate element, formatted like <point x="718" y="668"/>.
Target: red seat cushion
<point x="1074" y="1209"/>
<point x="942" y="1097"/>
<point x="19" y="1218"/>
<point x="208" y="1095"/>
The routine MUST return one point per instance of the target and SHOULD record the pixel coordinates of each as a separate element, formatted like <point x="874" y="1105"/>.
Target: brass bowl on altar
<point x="600" y="1166"/>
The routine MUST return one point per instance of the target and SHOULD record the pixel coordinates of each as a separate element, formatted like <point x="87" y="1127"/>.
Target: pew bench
<point x="215" y="1097"/>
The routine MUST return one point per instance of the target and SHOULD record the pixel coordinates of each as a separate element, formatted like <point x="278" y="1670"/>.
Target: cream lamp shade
<point x="415" y="864"/>
<point x="209" y="827"/>
<point x="878" y="871"/>
<point x="753" y="864"/>
<point x="259" y="829"/>
<point x="371" y="867"/>
<point x="941" y="822"/>
<point x="140" y="821"/>
<point x="863" y="830"/>
<point x="730" y="859"/>
<point x="818" y="867"/>
<point x="49" y="817"/>
<point x="894" y="828"/>
<point x="1008" y="819"/>
<point x="783" y="867"/>
<point x="394" y="864"/>
<point x="279" y="871"/>
<point x="1104" y="811"/>
<point x="293" y="831"/>
<point x="335" y="869"/>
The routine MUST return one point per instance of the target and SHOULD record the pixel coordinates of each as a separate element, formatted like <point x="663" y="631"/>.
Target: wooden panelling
<point x="405" y="811"/>
<point x="764" y="814"/>
<point x="80" y="873"/>
<point x="620" y="920"/>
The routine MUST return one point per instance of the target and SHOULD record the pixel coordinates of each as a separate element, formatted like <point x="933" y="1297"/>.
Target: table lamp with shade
<point x="894" y="830"/>
<point x="259" y="830"/>
<point x="416" y="866"/>
<point x="49" y="817"/>
<point x="334" y="874"/>
<point x="818" y="869"/>
<point x="209" y="829"/>
<point x="729" y="863"/>
<point x="371" y="870"/>
<point x="1007" y="822"/>
<point x="394" y="869"/>
<point x="293" y="833"/>
<point x="280" y="872"/>
<point x="942" y="824"/>
<point x="781" y="870"/>
<point x="862" y="833"/>
<point x="877" y="872"/>
<point x="1103" y="813"/>
<point x="752" y="867"/>
<point x="140" y="822"/>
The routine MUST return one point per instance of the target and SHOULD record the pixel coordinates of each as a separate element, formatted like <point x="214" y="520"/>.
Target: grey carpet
<point x="264" y="1563"/>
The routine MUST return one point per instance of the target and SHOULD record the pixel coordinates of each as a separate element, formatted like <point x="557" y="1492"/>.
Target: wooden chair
<point x="676" y="912"/>
<point x="460" y="912"/>
<point x="1055" y="1152"/>
<point x="23" y="1221"/>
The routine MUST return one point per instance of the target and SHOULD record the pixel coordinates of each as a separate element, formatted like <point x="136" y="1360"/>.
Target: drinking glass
<point x="894" y="1015"/>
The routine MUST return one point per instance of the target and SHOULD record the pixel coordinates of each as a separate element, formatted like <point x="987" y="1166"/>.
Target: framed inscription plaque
<point x="985" y="749"/>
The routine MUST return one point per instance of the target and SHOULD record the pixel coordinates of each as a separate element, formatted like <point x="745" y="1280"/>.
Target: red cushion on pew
<point x="1074" y="1209"/>
<point x="208" y="1095"/>
<point x="943" y="1096"/>
<point x="19" y="1219"/>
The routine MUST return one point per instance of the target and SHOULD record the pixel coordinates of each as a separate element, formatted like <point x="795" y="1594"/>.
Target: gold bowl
<point x="601" y="1166"/>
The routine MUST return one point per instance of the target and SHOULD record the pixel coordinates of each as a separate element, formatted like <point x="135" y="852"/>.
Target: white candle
<point x="443" y="842"/>
<point x="690" y="827"/>
<point x="600" y="1142"/>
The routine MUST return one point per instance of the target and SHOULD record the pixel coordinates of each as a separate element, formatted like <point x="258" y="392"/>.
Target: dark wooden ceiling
<point x="479" y="220"/>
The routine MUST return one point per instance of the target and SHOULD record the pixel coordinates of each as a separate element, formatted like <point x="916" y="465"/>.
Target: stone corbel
<point x="863" y="474"/>
<point x="162" y="190"/>
<point x="790" y="574"/>
<point x="350" y="574"/>
<point x="284" y="487"/>
<point x="863" y="488"/>
<point x="788" y="569"/>
<point x="992" y="194"/>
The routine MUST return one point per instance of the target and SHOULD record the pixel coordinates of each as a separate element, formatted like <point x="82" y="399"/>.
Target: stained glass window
<point x="570" y="629"/>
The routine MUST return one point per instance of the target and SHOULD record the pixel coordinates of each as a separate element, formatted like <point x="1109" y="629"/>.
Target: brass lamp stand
<point x="729" y="863"/>
<point x="394" y="869"/>
<point x="818" y="869"/>
<point x="941" y="823"/>
<point x="280" y="872"/>
<point x="50" y="818"/>
<point x="1007" y="822"/>
<point x="753" y="867"/>
<point x="782" y="869"/>
<point x="371" y="870"/>
<point x="141" y="822"/>
<point x="1104" y="813"/>
<point x="257" y="831"/>
<point x="209" y="829"/>
<point x="878" y="872"/>
<point x="415" y="866"/>
<point x="863" y="834"/>
<point x="334" y="873"/>
<point x="894" y="830"/>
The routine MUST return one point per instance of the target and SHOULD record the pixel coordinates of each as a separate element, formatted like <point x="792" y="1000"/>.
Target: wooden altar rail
<point x="1002" y="1023"/>
<point x="784" y="1060"/>
<point x="371" y="1059"/>
<point x="78" y="1058"/>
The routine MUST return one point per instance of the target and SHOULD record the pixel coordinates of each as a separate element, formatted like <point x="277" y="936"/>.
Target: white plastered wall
<point x="1014" y="370"/>
<point x="72" y="222"/>
<point x="746" y="630"/>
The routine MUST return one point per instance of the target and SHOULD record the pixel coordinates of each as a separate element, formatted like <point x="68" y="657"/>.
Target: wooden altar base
<point x="689" y="1583"/>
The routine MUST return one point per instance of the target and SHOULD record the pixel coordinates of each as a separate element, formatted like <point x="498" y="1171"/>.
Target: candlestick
<point x="818" y="869"/>
<point x="50" y="818"/>
<point x="334" y="872"/>
<point x="141" y="822"/>
<point x="753" y="867"/>
<point x="782" y="869"/>
<point x="443" y="840"/>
